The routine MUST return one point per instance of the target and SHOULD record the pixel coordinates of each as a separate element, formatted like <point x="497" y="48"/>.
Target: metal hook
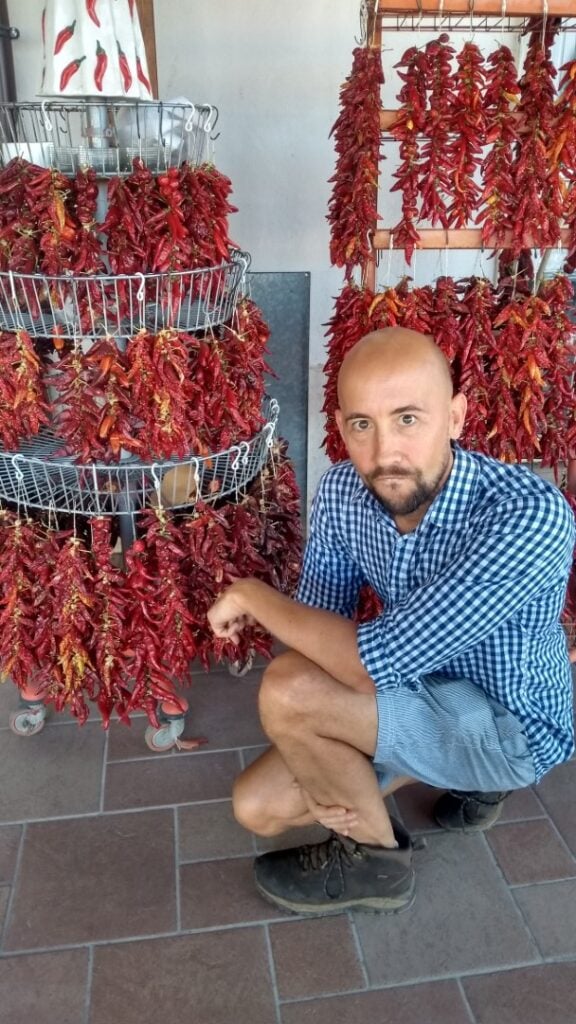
<point x="269" y="429"/>
<point x="274" y="409"/>
<point x="157" y="483"/>
<point x="196" y="475"/>
<point x="544" y="20"/>
<point x="19" y="474"/>
<point x="246" y="447"/>
<point x="471" y="13"/>
<point x="190" y="120"/>
<point x="141" y="289"/>
<point x="236" y="462"/>
<point x="47" y="122"/>
<point x="420" y="7"/>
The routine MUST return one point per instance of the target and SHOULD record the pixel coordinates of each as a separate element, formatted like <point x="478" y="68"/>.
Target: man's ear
<point x="457" y="415"/>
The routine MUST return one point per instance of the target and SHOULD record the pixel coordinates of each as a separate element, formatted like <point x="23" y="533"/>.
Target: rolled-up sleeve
<point x="329" y="579"/>
<point x="498" y="572"/>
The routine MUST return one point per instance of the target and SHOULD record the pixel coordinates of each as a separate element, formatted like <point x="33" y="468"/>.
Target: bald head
<point x="397" y="416"/>
<point x="393" y="350"/>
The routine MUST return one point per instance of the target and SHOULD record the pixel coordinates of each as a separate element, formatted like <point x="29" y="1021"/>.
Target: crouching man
<point x="463" y="682"/>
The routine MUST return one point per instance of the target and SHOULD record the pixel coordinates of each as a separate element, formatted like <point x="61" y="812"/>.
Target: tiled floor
<point x="126" y="894"/>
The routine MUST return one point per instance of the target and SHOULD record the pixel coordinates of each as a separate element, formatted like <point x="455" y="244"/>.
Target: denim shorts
<point x="450" y="734"/>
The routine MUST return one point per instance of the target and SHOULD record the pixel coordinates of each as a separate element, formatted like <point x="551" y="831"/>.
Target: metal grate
<point x="119" y="306"/>
<point x="105" y="135"/>
<point x="450" y="22"/>
<point x="38" y="476"/>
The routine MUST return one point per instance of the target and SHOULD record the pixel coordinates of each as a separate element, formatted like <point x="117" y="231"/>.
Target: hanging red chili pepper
<point x="64" y="35"/>
<point x="469" y="131"/>
<point x="69" y="72"/>
<point x="141" y="76"/>
<point x="124" y="68"/>
<point x="502" y="93"/>
<point x="409" y="124"/>
<point x="91" y="10"/>
<point x="101" y="65"/>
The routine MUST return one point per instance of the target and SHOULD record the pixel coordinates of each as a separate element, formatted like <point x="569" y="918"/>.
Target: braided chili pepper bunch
<point x="409" y="124"/>
<point x="563" y="153"/>
<point x="165" y="554"/>
<point x="150" y="680"/>
<point x="205" y="212"/>
<point x="502" y="93"/>
<point x="162" y="395"/>
<point x="537" y="209"/>
<point x="436" y="168"/>
<point x="414" y="306"/>
<point x="48" y="194"/>
<point x="469" y="127"/>
<point x="108" y="639"/>
<point x="352" y="208"/>
<point x="559" y="441"/>
<point x="69" y="680"/>
<point x="18" y="599"/>
<point x="18" y="225"/>
<point x="23" y="401"/>
<point x="472" y="360"/>
<point x="93" y="414"/>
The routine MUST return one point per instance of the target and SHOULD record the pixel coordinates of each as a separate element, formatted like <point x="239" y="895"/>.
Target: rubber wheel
<point x="21" y="724"/>
<point x="159" y="740"/>
<point x="240" y="668"/>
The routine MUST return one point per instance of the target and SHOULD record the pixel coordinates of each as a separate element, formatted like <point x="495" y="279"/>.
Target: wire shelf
<point x="119" y="305"/>
<point x="37" y="476"/>
<point x="452" y="22"/>
<point x="105" y="134"/>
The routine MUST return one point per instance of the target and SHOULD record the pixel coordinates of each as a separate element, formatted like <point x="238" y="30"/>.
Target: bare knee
<point x="253" y="811"/>
<point x="286" y="694"/>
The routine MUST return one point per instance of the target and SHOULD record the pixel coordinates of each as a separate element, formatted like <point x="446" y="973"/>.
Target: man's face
<point x="397" y="425"/>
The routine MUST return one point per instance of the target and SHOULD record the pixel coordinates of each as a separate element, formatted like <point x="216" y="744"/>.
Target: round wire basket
<point x="120" y="305"/>
<point x="38" y="477"/>
<point x="106" y="134"/>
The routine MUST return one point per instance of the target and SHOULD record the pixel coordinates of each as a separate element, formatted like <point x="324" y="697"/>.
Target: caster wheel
<point x="27" y="723"/>
<point x="159" y="740"/>
<point x="240" y="668"/>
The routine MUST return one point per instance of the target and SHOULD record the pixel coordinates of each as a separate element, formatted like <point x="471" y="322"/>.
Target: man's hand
<point x="228" y="617"/>
<point x="335" y="818"/>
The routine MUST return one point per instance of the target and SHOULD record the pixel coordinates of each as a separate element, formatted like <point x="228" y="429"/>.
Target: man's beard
<point x="423" y="494"/>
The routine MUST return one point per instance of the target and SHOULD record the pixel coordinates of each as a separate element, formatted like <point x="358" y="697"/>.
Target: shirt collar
<point x="450" y="505"/>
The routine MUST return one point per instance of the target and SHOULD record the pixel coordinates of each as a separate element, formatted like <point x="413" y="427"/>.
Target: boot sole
<point x="369" y="905"/>
<point x="467" y="829"/>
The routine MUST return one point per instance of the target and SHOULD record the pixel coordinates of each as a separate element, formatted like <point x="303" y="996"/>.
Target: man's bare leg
<point x="326" y="734"/>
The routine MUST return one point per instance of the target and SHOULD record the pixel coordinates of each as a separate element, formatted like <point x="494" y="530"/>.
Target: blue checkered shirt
<point x="474" y="592"/>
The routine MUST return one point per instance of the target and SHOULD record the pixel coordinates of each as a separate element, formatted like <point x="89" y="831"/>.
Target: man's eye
<point x="360" y="425"/>
<point x="407" y="419"/>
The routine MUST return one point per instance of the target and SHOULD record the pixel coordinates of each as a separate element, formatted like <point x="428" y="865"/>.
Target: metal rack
<point x="39" y="476"/>
<point x="106" y="134"/>
<point x="120" y="305"/>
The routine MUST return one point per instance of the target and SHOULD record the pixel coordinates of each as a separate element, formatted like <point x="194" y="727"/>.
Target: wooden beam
<point x="453" y="238"/>
<point x="511" y="8"/>
<point x="145" y="10"/>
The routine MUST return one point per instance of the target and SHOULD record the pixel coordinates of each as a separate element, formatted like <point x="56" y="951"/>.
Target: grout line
<point x="88" y="999"/>
<point x="218" y="857"/>
<point x="272" y="969"/>
<point x="464" y="997"/>
<point x="543" y="881"/>
<point x="177" y="869"/>
<point x="13" y="886"/>
<point x="494" y="859"/>
<point x="181" y="754"/>
<point x="115" y="811"/>
<point x="359" y="949"/>
<point x="103" y="773"/>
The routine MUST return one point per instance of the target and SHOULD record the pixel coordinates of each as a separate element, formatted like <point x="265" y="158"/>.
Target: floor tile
<point x="55" y="773"/>
<point x="44" y="988"/>
<point x="315" y="956"/>
<point x="170" y="780"/>
<point x="127" y="741"/>
<point x="210" y="830"/>
<point x="214" y="978"/>
<point x="531" y="996"/>
<point x="521" y="804"/>
<point x="549" y="911"/>
<point x="415" y="805"/>
<point x="94" y="878"/>
<point x="464" y="918"/>
<point x="556" y="791"/>
<point x="224" y="709"/>
<point x="220" y="892"/>
<point x="9" y="843"/>
<point x="530" y="851"/>
<point x="433" y="1003"/>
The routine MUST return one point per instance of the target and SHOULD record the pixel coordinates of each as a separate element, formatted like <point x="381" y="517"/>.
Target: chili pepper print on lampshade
<point x="93" y="48"/>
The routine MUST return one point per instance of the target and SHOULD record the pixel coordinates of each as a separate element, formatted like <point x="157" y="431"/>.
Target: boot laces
<point x="332" y="852"/>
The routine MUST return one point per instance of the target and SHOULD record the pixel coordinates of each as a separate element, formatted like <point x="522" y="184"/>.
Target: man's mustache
<point x="381" y="471"/>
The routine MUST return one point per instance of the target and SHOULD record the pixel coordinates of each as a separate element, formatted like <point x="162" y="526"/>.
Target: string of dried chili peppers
<point x="410" y="123"/>
<point x="23" y="401"/>
<point x="352" y="207"/>
<point x="501" y="95"/>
